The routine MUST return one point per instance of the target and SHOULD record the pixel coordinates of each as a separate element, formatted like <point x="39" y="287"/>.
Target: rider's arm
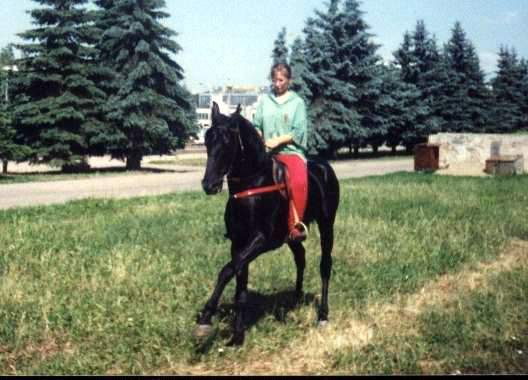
<point x="300" y="126"/>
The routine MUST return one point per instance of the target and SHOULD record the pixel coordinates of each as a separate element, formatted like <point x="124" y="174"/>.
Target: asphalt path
<point x="173" y="179"/>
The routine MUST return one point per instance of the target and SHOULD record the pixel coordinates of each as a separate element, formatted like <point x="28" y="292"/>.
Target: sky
<point x="230" y="41"/>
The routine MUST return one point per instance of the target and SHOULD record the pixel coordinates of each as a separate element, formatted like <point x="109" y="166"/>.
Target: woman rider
<point x="281" y="121"/>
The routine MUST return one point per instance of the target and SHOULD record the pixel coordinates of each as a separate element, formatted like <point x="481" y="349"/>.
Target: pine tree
<point x="466" y="98"/>
<point x="280" y="48"/>
<point x="508" y="92"/>
<point x="151" y="110"/>
<point x="57" y="98"/>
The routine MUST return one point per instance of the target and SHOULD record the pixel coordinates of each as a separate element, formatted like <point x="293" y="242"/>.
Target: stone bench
<point x="505" y="165"/>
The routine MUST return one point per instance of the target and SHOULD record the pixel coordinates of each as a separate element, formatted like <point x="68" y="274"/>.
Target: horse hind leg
<point x="327" y="242"/>
<point x="299" y="254"/>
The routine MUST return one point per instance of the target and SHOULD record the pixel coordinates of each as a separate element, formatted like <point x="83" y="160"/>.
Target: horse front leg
<point x="239" y="261"/>
<point x="204" y="327"/>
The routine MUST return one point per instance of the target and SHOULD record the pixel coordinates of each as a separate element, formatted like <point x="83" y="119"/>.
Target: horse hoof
<point x="236" y="341"/>
<point x="322" y="324"/>
<point x="203" y="331"/>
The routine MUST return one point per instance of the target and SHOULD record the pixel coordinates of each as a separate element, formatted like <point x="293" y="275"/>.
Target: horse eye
<point x="226" y="139"/>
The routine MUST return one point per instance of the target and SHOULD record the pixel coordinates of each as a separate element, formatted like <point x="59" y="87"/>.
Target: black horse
<point x="259" y="223"/>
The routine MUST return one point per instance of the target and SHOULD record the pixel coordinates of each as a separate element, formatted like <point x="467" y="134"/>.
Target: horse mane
<point x="251" y="139"/>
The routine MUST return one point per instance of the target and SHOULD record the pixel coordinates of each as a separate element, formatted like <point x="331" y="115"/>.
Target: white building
<point x="228" y="100"/>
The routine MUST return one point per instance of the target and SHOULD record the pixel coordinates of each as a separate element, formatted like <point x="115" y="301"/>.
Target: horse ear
<point x="239" y="109"/>
<point x="215" y="111"/>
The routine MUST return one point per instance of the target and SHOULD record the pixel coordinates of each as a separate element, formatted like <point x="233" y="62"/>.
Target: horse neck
<point x="252" y="160"/>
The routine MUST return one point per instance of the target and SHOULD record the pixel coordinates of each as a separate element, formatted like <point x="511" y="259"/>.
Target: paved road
<point x="182" y="178"/>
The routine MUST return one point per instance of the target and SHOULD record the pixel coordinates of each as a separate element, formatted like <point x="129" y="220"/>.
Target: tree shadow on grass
<point x="259" y="306"/>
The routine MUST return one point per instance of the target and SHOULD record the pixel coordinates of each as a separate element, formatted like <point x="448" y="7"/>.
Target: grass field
<point x="430" y="276"/>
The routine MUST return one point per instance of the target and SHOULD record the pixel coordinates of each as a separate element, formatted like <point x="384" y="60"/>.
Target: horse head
<point x="221" y="141"/>
<point x="233" y="146"/>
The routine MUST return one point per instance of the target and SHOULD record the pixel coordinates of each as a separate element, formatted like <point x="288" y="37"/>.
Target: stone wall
<point x="475" y="148"/>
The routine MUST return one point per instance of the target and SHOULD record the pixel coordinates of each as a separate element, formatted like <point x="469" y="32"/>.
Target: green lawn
<point x="425" y="280"/>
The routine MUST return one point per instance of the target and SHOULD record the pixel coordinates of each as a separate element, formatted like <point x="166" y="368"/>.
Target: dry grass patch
<point x="402" y="313"/>
<point x="44" y="350"/>
<point x="312" y="354"/>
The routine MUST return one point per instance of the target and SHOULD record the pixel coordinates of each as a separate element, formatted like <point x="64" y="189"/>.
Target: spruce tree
<point x="405" y="60"/>
<point x="401" y="108"/>
<point x="341" y="76"/>
<point x="466" y="98"/>
<point x="280" y="48"/>
<point x="329" y="118"/>
<point x="150" y="109"/>
<point x="430" y="76"/>
<point x="524" y="90"/>
<point x="508" y="92"/>
<point x="421" y="66"/>
<point x="9" y="149"/>
<point x="57" y="98"/>
<point x="361" y="67"/>
<point x="299" y="69"/>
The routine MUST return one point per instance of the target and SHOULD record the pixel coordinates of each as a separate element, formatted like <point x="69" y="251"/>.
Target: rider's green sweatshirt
<point x="289" y="118"/>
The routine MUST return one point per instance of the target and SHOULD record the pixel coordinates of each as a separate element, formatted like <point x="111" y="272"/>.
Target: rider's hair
<point x="283" y="67"/>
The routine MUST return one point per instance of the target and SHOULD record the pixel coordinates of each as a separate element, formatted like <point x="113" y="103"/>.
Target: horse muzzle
<point x="212" y="188"/>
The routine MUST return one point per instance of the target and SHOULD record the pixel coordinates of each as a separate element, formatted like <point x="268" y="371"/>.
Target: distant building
<point x="228" y="99"/>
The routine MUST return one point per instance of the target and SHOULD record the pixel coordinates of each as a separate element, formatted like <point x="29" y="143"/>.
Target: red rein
<point x="259" y="190"/>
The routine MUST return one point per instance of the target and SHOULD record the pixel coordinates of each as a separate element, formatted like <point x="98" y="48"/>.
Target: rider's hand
<point x="273" y="143"/>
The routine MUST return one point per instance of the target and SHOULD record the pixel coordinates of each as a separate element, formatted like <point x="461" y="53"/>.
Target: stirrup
<point x="301" y="229"/>
<point x="304" y="228"/>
